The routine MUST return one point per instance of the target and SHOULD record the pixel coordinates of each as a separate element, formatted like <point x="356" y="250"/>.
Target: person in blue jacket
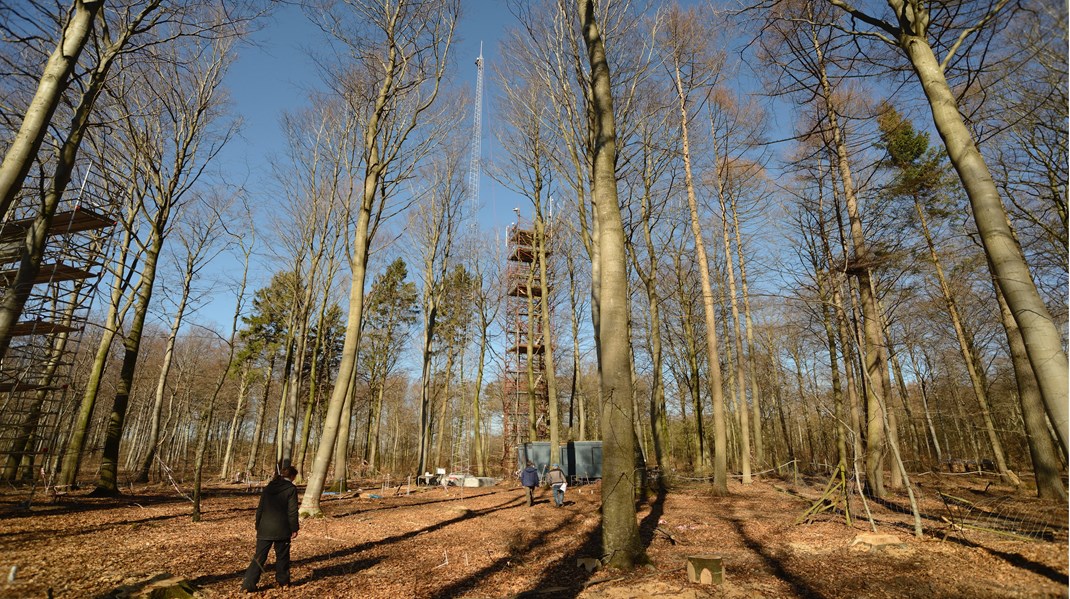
<point x="276" y="524"/>
<point x="529" y="477"/>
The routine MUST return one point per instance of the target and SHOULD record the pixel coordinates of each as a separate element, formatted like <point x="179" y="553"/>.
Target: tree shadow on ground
<point x="1017" y="560"/>
<point x="401" y="505"/>
<point x="84" y="503"/>
<point x="562" y="576"/>
<point x="649" y="524"/>
<point x="352" y="550"/>
<point x="560" y="579"/>
<point x="799" y="587"/>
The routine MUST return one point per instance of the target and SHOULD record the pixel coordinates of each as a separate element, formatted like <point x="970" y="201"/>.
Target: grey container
<point x="580" y="460"/>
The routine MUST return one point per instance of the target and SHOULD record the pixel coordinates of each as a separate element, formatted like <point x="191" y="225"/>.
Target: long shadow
<point x="345" y="569"/>
<point x="799" y="587"/>
<point x="348" y="551"/>
<point x="1017" y="560"/>
<point x="563" y="575"/>
<point x="23" y="536"/>
<point x="649" y="524"/>
<point x="123" y="502"/>
<point x="404" y="505"/>
<point x="900" y="508"/>
<point x="74" y="506"/>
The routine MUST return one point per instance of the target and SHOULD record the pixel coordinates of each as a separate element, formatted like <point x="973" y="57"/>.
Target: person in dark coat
<point x="529" y="477"/>
<point x="276" y="524"/>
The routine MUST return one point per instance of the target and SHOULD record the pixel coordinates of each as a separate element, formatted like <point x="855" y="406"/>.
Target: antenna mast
<point x="477" y="131"/>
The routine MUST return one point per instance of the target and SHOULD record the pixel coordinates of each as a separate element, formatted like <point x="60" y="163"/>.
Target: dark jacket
<point x="276" y="516"/>
<point x="529" y="477"/>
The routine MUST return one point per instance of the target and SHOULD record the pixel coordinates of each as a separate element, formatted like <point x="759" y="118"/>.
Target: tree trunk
<point x="26" y="145"/>
<point x="235" y="421"/>
<point x="1042" y="338"/>
<point x="107" y="485"/>
<point x="969" y="352"/>
<point x="142" y="475"/>
<point x="477" y="418"/>
<point x="860" y="264"/>
<point x="444" y="410"/>
<point x="720" y="434"/>
<point x="741" y="375"/>
<point x="1042" y="449"/>
<point x="759" y="446"/>
<point x="621" y="543"/>
<point x="548" y="340"/>
<point x="341" y="443"/>
<point x="288" y="383"/>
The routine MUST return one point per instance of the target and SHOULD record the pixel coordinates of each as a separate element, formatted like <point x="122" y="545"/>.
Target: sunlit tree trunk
<point x="860" y="265"/>
<point x="236" y="420"/>
<point x="382" y="145"/>
<point x="152" y="443"/>
<point x="721" y="171"/>
<point x="621" y="544"/>
<point x="759" y="446"/>
<point x="117" y="309"/>
<point x="970" y="354"/>
<point x="720" y="434"/>
<point x="26" y="145"/>
<point x="1043" y="340"/>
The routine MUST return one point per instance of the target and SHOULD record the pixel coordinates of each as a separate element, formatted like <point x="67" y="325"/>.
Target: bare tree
<point x="173" y="112"/>
<point x="400" y="48"/>
<point x="75" y="31"/>
<point x="198" y="236"/>
<point x="692" y="64"/>
<point x="621" y="545"/>
<point x="919" y="31"/>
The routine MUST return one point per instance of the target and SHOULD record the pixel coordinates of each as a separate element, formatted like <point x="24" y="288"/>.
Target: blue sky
<point x="275" y="74"/>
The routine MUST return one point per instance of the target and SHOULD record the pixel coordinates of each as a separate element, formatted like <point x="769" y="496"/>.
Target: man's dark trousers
<point x="256" y="567"/>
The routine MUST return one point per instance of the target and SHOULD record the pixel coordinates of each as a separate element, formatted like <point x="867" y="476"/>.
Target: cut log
<point x="704" y="569"/>
<point x="588" y="563"/>
<point x="871" y="541"/>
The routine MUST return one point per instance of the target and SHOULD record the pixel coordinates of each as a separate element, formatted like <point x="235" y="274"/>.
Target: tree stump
<point x="705" y="569"/>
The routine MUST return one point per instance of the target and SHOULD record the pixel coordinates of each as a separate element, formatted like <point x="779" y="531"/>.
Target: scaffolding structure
<point x="525" y="368"/>
<point x="35" y="372"/>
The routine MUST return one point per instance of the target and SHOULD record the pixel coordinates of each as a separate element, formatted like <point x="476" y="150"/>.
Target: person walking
<point x="558" y="483"/>
<point x="529" y="477"/>
<point x="276" y="525"/>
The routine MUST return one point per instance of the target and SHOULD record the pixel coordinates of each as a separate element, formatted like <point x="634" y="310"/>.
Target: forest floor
<point x="486" y="543"/>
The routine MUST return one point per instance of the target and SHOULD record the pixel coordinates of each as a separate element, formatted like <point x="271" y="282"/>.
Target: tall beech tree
<point x="621" y="544"/>
<point x="178" y="117"/>
<point x="919" y="30"/>
<point x="693" y="65"/>
<point x="75" y="31"/>
<point x="401" y="48"/>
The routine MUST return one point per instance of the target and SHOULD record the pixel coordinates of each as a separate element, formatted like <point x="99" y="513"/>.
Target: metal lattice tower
<point x="460" y="461"/>
<point x="477" y="134"/>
